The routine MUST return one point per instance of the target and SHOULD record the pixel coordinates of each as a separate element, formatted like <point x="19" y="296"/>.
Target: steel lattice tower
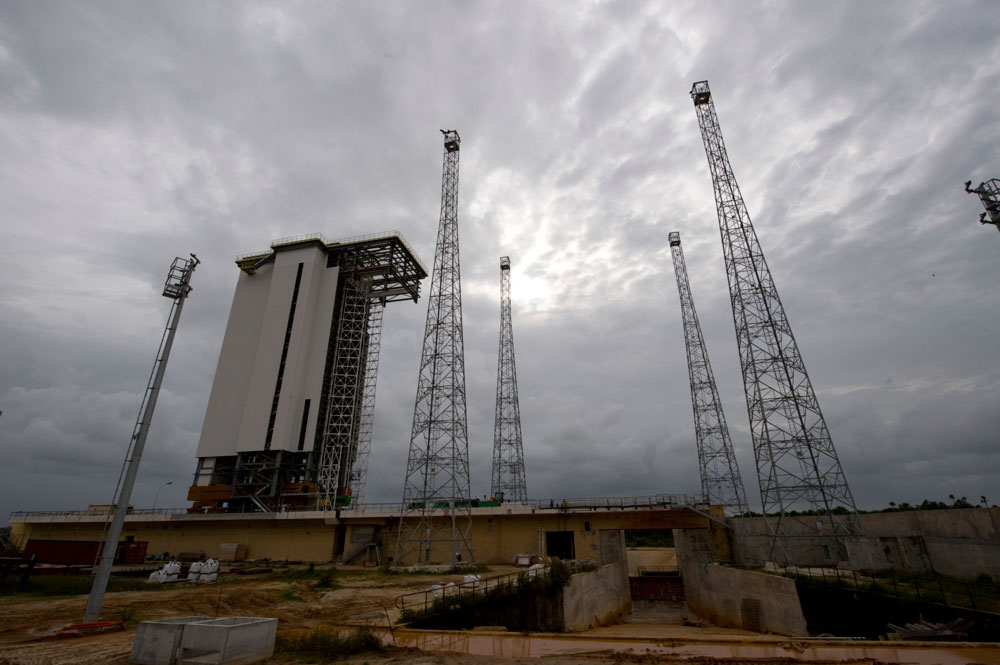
<point x="720" y="477"/>
<point x="436" y="518"/>
<point x="797" y="465"/>
<point x="989" y="194"/>
<point x="508" y="451"/>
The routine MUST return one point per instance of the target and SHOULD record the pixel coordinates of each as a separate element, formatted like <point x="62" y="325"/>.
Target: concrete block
<point x="230" y="640"/>
<point x="156" y="642"/>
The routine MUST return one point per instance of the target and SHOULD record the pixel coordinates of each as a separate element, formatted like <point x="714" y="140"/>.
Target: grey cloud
<point x="133" y="133"/>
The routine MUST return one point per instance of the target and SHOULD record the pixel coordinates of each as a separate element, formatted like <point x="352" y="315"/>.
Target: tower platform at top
<point x="395" y="269"/>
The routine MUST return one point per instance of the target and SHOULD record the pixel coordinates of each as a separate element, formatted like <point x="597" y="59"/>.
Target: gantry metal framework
<point x="177" y="287"/>
<point x="797" y="465"/>
<point x="989" y="194"/>
<point x="435" y="523"/>
<point x="347" y="384"/>
<point x="720" y="476"/>
<point x="359" y="473"/>
<point x="371" y="274"/>
<point x="508" y="452"/>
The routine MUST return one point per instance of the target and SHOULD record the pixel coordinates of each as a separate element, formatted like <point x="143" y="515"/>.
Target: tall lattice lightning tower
<point x="720" y="477"/>
<point x="508" y="451"/>
<point x="436" y="519"/>
<point x="797" y="465"/>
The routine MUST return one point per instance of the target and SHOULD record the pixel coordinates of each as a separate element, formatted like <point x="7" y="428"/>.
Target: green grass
<point x="291" y="594"/>
<point x="325" y="579"/>
<point x="326" y="646"/>
<point x="74" y="585"/>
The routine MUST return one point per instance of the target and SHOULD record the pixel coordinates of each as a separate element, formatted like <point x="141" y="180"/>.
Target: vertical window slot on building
<point x="305" y="424"/>
<point x="284" y="357"/>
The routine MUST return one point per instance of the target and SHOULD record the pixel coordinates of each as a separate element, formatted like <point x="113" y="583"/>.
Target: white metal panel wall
<point x="319" y="342"/>
<point x="227" y="401"/>
<point x="267" y="357"/>
<point x="297" y="361"/>
<point x="309" y="361"/>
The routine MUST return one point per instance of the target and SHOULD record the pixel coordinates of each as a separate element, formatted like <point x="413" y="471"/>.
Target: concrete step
<point x="205" y="659"/>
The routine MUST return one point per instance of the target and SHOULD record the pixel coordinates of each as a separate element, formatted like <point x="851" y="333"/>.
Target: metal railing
<point x="425" y="599"/>
<point x="94" y="513"/>
<point x="670" y="501"/>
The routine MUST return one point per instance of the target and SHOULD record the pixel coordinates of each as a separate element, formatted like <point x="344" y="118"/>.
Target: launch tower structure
<point x="435" y="524"/>
<point x="797" y="465"/>
<point x="508" y="451"/>
<point x="989" y="194"/>
<point x="720" y="477"/>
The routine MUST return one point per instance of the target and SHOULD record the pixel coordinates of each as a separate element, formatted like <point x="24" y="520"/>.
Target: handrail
<point x="483" y="586"/>
<point x="671" y="501"/>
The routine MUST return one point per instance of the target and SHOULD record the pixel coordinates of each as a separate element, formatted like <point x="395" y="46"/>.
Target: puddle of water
<point x="516" y="646"/>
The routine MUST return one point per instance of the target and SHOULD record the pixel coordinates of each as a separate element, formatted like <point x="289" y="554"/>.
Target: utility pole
<point x="177" y="288"/>
<point x="508" y="451"/>
<point x="436" y="518"/>
<point x="989" y="194"/>
<point x="720" y="477"/>
<point x="797" y="465"/>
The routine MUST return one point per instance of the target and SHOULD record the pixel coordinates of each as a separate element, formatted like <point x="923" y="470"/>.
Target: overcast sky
<point x="131" y="133"/>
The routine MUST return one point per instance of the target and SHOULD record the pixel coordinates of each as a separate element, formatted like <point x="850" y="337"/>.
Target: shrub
<point x="327" y="646"/>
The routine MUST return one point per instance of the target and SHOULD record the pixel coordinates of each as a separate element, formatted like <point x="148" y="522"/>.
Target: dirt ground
<point x="29" y="625"/>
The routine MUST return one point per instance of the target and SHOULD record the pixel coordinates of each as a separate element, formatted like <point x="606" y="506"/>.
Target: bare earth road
<point x="28" y="628"/>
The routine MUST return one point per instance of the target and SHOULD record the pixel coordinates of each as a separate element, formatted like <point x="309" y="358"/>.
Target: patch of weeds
<point x="518" y="605"/>
<point x="460" y="569"/>
<point x="326" y="581"/>
<point x="327" y="646"/>
<point x="127" y="616"/>
<point x="467" y="569"/>
<point x="291" y="594"/>
<point x="309" y="573"/>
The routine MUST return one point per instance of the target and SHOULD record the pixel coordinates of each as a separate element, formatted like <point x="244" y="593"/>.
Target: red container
<point x="84" y="552"/>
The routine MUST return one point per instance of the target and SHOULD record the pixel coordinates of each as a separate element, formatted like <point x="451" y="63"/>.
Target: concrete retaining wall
<point x="600" y="597"/>
<point x="733" y="597"/>
<point x="957" y="542"/>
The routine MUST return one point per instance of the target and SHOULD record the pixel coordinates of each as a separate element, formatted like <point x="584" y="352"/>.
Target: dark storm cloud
<point x="134" y="133"/>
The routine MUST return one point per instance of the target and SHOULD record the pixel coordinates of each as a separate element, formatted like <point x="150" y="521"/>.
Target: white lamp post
<point x="157" y="495"/>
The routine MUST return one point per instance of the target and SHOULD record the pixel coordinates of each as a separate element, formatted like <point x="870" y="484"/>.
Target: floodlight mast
<point x="720" y="476"/>
<point x="989" y="195"/>
<point x="797" y="464"/>
<point x="508" y="451"/>
<point x="177" y="288"/>
<point x="435" y="521"/>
